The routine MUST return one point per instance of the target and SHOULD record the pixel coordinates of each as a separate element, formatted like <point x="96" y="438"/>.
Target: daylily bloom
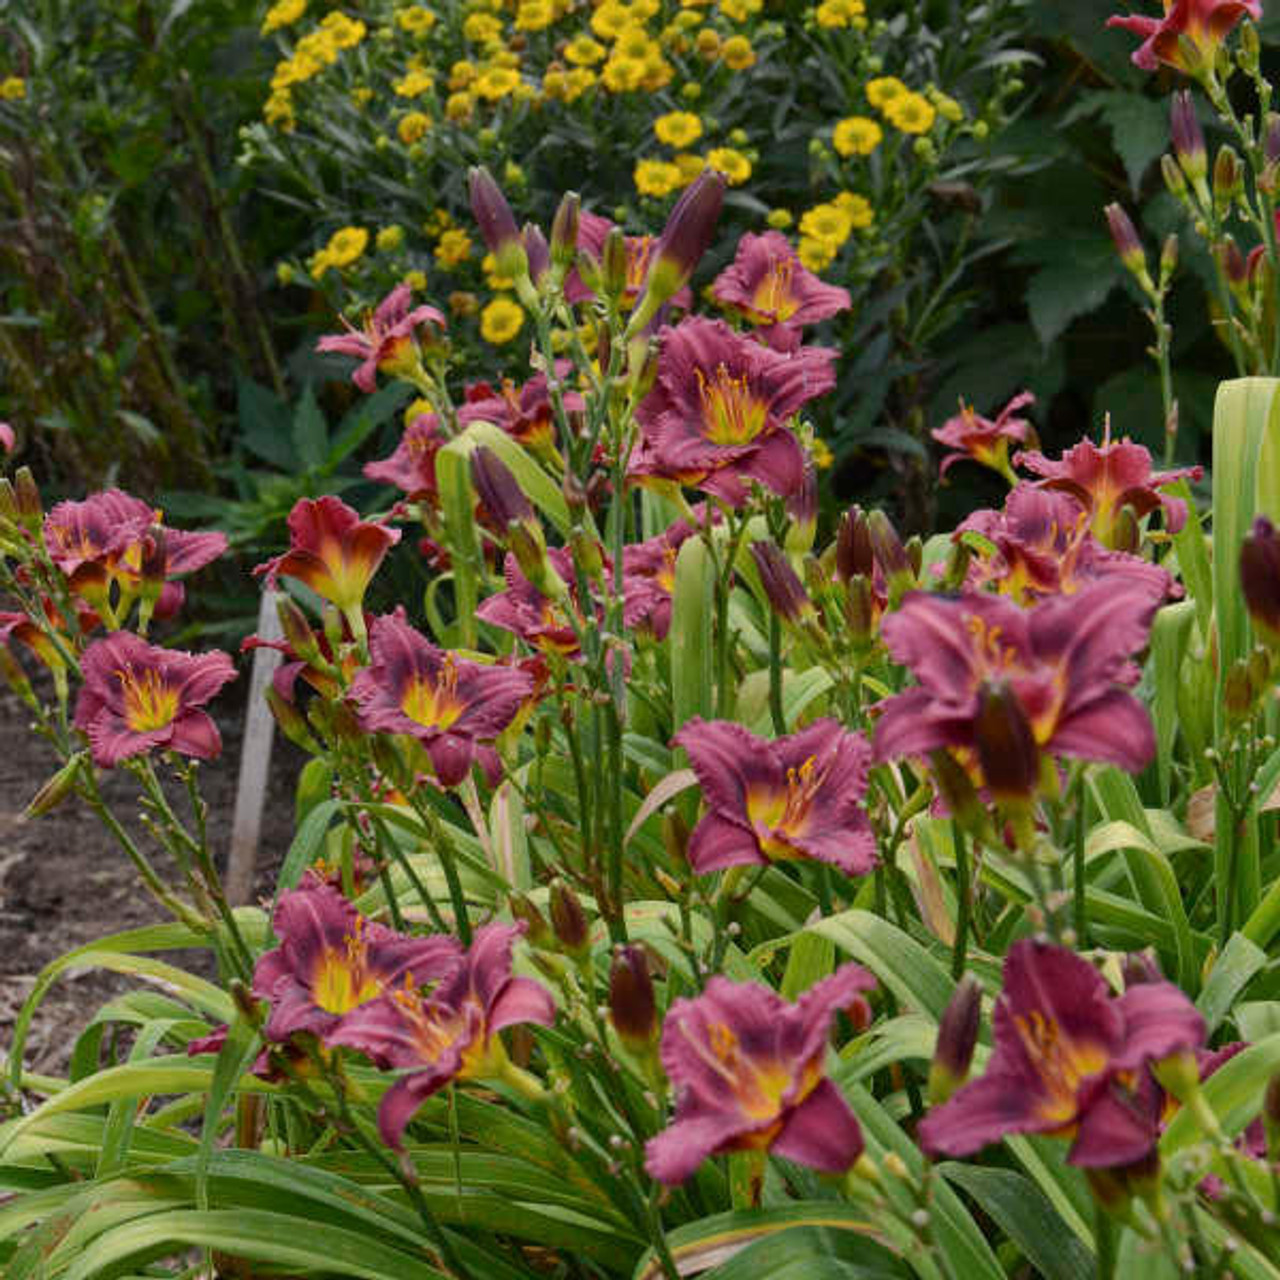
<point x="592" y="233"/>
<point x="1070" y="1059"/>
<point x="412" y="467"/>
<point x="1108" y="478"/>
<point x="986" y="440"/>
<point x="386" y="339"/>
<point x="450" y="1034"/>
<point x="23" y="629"/>
<point x="1043" y="547"/>
<point x="447" y="703"/>
<point x="331" y="960"/>
<point x="137" y="696"/>
<point x="748" y="1071"/>
<point x="523" y="412"/>
<point x="716" y="416"/>
<point x="1060" y="665"/>
<point x="768" y="285"/>
<point x="1188" y="35"/>
<point x="332" y="550"/>
<point x="781" y="799"/>
<point x="652" y="563"/>
<point x="1260" y="579"/>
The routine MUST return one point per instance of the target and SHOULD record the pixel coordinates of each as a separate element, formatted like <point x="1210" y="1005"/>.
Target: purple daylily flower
<point x="781" y="799"/>
<point x="524" y="412"/>
<point x="986" y="440"/>
<point x="1189" y="33"/>
<point x="412" y="466"/>
<point x="1070" y="1059"/>
<point x="748" y="1066"/>
<point x="386" y="340"/>
<point x="451" y="1034"/>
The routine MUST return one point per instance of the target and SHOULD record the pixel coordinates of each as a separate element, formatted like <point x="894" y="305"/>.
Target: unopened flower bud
<point x="1228" y="179"/>
<point x="1238" y="692"/>
<point x="860" y="612"/>
<point x="1178" y="1074"/>
<point x="675" y="838"/>
<point x="575" y="496"/>
<point x="539" y="255"/>
<point x="891" y="555"/>
<point x="959" y="794"/>
<point x="497" y="224"/>
<point x="633" y="1008"/>
<point x="957" y="1038"/>
<point x="802" y="507"/>
<point x="57" y="789"/>
<point x="1127" y="244"/>
<point x="1260" y="580"/>
<point x="782" y="586"/>
<point x="297" y="630"/>
<point x="854" y="555"/>
<point x="27" y="497"/>
<point x="537" y="930"/>
<point x="568" y="920"/>
<point x="291" y="721"/>
<point x="1006" y="746"/>
<point x="1188" y="137"/>
<point x="1231" y="262"/>
<point x="1173" y="179"/>
<point x="1169" y="256"/>
<point x="564" y="232"/>
<point x="153" y="565"/>
<point x="1250" y="48"/>
<point x="498" y="490"/>
<point x="613" y="264"/>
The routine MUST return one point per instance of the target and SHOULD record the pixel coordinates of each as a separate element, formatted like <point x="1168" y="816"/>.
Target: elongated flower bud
<point x="57" y="789"/>
<point x="497" y="224"/>
<point x="854" y="555"/>
<point x="498" y="490"/>
<point x="781" y="584"/>
<point x="891" y="555"/>
<point x="1127" y="244"/>
<point x="633" y="1008"/>
<point x="539" y="255"/>
<point x="1006" y="746"/>
<point x="1173" y="179"/>
<point x="537" y="930"/>
<point x="292" y="722"/>
<point x="1228" y="179"/>
<point x="568" y="920"/>
<point x="564" y="232"/>
<point x="957" y="1038"/>
<point x="297" y="630"/>
<point x="1260" y="580"/>
<point x="613" y="264"/>
<point x="802" y="507"/>
<point x="1188" y="138"/>
<point x="27" y="493"/>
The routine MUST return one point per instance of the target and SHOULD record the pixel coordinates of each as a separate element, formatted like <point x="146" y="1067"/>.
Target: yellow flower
<point x="579" y="80"/>
<point x="319" y="263"/>
<point x="461" y="74"/>
<point x="622" y="74"/>
<point x="277" y="110"/>
<point x="856" y="136"/>
<point x="319" y="46"/>
<point x="689" y="165"/>
<point x="361" y="95"/>
<point x="283" y="14"/>
<point x="740" y="10"/>
<point x="910" y="112"/>
<point x="820" y="452"/>
<point x="482" y="28"/>
<point x="656" y="178"/>
<point x="737" y="53"/>
<point x="658" y="72"/>
<point x="497" y="83"/>
<point x="857" y="207"/>
<point x="492" y="276"/>
<point x="416" y="21"/>
<point x="882" y="90"/>
<point x="534" y="15"/>
<point x="633" y="42"/>
<point x="13" y="88"/>
<point x="555" y="84"/>
<point x="829" y="223"/>
<point x="453" y="247"/>
<point x="841" y="13"/>
<point x="707" y="42"/>
<point x="678" y="128"/>
<point x="500" y="321"/>
<point x="389" y="238"/>
<point x="412" y="127"/>
<point x="779" y="219"/>
<point x="414" y="83"/>
<point x="345" y="32"/>
<point x="816" y="255"/>
<point x="345" y="246"/>
<point x="295" y="70"/>
<point x="583" y="51"/>
<point x="416" y="279"/>
<point x="611" y="18"/>
<point x="733" y="164"/>
<point x="459" y="107"/>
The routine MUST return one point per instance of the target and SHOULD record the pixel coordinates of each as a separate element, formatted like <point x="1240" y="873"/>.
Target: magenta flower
<point x="412" y="467"/>
<point x="717" y="415"/>
<point x="1059" y="668"/>
<point x="986" y="440"/>
<point x="386" y="339"/>
<point x="1043" y="547"/>
<point x="524" y="412"/>
<point x="332" y="550"/>
<point x="451" y="1034"/>
<point x="768" y="285"/>
<point x="1109" y="478"/>
<point x="137" y="696"/>
<point x="769" y="801"/>
<point x="1070" y="1059"/>
<point x="448" y="704"/>
<point x="1188" y="35"/>
<point x="748" y="1071"/>
<point x="649" y="577"/>
<point x="592" y="232"/>
<point x="8" y="440"/>
<point x="331" y="960"/>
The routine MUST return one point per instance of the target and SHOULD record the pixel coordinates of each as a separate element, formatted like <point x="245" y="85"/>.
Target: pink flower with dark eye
<point x="768" y="285"/>
<point x="331" y="960"/>
<point x="998" y="681"/>
<point x="1070" y="1059"/>
<point x="780" y="799"/>
<point x="386" y="339"/>
<point x="986" y="440"/>
<point x="448" y="704"/>
<point x="1188" y="35"/>
<point x="452" y="1034"/>
<point x="716" y="417"/>
<point x="652" y="564"/>
<point x="332" y="550"/>
<point x="137" y="696"/>
<point x="749" y="1073"/>
<point x="1108" y="478"/>
<point x="524" y="412"/>
<point x="412" y="467"/>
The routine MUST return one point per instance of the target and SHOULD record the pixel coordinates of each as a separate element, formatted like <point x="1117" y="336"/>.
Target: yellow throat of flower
<point x="149" y="703"/>
<point x="731" y="414"/>
<point x="433" y="703"/>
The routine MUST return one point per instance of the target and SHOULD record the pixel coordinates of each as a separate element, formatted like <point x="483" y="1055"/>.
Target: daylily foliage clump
<point x="678" y="888"/>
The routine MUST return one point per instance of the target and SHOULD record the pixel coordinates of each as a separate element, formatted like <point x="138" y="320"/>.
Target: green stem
<point x="775" y="674"/>
<point x="1104" y="1232"/>
<point x="964" y="895"/>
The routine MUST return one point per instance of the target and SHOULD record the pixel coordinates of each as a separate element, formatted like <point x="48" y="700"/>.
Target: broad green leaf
<point x="1168" y="644"/>
<point x="690" y="637"/>
<point x="310" y="431"/>
<point x="1232" y="971"/>
<point x="305" y="846"/>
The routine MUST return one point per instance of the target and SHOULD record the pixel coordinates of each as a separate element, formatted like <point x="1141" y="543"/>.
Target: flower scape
<point x="685" y="882"/>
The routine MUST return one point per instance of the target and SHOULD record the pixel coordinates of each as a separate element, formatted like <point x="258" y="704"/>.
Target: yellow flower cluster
<point x="834" y="14"/>
<point x="345" y="246"/>
<point x="417" y="21"/>
<point x="903" y="108"/>
<point x="825" y="228"/>
<point x="283" y="14"/>
<point x="12" y="89"/>
<point x="856" y="136"/>
<point x="311" y="55"/>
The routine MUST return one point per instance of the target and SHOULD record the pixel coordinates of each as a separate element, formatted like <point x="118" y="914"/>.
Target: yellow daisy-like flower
<point x="740" y="10"/>
<point x="535" y="15"/>
<point x="497" y="83"/>
<point x="482" y="28"/>
<point x="461" y="74"/>
<point x="459" y="107"/>
<point x="283" y="14"/>
<point x="296" y="70"/>
<point x="345" y="32"/>
<point x="389" y="238"/>
<point x="910" y="112"/>
<point x="416" y="21"/>
<point x="678" y="128"/>
<point x="500" y="321"/>
<point x="414" y="83"/>
<point x="779" y="219"/>
<point x="13" y="88"/>
<point x="829" y="223"/>
<point x="319" y="46"/>
<point x="583" y="51"/>
<point x="611" y="18"/>
<point x="276" y="111"/>
<point x="622" y="74"/>
<point x="816" y="255"/>
<point x="883" y="89"/>
<point x="856" y="136"/>
<point x="555" y="84"/>
<point x="857" y="207"/>
<point x="733" y="164"/>
<point x="413" y="127"/>
<point x="656" y="178"/>
<point x="579" y="80"/>
<point x="634" y="42"/>
<point x="658" y="72"/>
<point x="346" y="245"/>
<point x="690" y="166"/>
<point x="415" y="279"/>
<point x="833" y="14"/>
<point x="492" y="276"/>
<point x="737" y="54"/>
<point x="453" y="247"/>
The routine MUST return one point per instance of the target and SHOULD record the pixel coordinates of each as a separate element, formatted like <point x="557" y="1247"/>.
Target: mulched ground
<point x="64" y="882"/>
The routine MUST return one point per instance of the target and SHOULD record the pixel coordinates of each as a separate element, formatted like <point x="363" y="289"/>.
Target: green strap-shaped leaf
<point x="689" y="640"/>
<point x="1234" y="1092"/>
